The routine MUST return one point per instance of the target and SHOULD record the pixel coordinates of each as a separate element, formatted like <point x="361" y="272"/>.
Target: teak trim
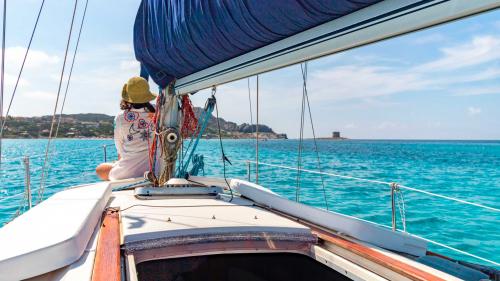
<point x="107" y="257"/>
<point x="393" y="264"/>
<point x="409" y="271"/>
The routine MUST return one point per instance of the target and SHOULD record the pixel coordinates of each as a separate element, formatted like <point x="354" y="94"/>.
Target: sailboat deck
<point x="200" y="218"/>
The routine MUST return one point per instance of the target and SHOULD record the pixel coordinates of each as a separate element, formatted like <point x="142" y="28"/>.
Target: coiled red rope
<point x="189" y="120"/>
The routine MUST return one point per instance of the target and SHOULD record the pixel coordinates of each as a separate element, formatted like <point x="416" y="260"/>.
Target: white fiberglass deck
<point x="163" y="218"/>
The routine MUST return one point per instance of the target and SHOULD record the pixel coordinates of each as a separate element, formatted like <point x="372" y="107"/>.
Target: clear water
<point x="469" y="170"/>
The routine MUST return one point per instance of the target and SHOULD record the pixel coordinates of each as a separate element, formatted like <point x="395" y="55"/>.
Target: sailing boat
<point x="177" y="226"/>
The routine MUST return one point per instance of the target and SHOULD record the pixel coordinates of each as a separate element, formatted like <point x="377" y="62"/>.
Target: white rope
<point x="450" y="198"/>
<point x="381" y="182"/>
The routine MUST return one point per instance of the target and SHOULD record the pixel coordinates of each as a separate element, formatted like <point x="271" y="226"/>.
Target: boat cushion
<point x="53" y="234"/>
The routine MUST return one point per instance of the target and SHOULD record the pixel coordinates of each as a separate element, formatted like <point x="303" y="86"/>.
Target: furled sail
<point x="202" y="43"/>
<point x="175" y="38"/>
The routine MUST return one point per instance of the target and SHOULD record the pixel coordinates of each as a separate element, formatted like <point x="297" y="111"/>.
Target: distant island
<point x="95" y="125"/>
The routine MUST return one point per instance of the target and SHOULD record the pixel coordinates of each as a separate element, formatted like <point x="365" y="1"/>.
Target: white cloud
<point x="348" y="82"/>
<point x="473" y="110"/>
<point x="10" y="81"/>
<point x="357" y="81"/>
<point x="480" y="50"/>
<point x="36" y="59"/>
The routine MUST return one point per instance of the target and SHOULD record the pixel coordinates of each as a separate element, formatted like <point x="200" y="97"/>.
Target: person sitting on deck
<point x="132" y="133"/>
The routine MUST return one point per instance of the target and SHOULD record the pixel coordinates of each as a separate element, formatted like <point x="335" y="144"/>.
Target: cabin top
<point x="207" y="216"/>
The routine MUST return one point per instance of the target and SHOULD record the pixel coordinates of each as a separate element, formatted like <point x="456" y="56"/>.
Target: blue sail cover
<point x="175" y="38"/>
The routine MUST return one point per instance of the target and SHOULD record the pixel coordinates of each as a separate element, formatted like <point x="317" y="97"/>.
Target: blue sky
<point x="440" y="83"/>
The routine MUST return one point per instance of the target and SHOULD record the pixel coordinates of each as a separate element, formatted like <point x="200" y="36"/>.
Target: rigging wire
<point x="2" y="73"/>
<point x="43" y="174"/>
<point x="301" y="139"/>
<point x="22" y="68"/>
<point x="251" y="115"/>
<point x="304" y="76"/>
<point x="224" y="157"/>
<point x="257" y="136"/>
<point x="71" y="68"/>
<point x="250" y="101"/>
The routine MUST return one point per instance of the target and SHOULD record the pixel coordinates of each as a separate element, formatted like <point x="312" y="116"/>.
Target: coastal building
<point x="336" y="135"/>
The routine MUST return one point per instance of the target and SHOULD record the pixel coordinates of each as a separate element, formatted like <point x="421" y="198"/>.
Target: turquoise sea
<point x="469" y="170"/>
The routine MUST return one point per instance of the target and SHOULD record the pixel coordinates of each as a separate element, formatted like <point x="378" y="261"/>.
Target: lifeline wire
<point x="42" y="177"/>
<point x="22" y="68"/>
<point x="380" y="182"/>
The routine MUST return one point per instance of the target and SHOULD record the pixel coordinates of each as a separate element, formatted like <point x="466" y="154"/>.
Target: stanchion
<point x="27" y="179"/>
<point x="104" y="147"/>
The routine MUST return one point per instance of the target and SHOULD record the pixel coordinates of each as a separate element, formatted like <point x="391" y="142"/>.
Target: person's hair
<point x="125" y="105"/>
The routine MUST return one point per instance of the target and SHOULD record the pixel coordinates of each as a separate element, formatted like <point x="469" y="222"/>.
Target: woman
<point x="132" y="134"/>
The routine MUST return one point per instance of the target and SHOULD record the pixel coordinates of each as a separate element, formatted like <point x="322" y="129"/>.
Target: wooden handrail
<point x="107" y="258"/>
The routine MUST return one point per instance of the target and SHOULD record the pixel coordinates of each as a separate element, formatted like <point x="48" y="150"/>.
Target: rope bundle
<point x="189" y="120"/>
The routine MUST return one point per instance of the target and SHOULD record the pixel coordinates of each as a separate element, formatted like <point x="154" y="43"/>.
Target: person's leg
<point x="103" y="170"/>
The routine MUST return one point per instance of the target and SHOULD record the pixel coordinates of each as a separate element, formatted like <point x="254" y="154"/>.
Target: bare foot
<point x="103" y="170"/>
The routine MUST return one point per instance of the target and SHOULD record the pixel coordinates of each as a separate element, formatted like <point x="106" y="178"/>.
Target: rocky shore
<point x="93" y="125"/>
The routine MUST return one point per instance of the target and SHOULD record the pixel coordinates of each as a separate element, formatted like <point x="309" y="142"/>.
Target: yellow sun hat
<point x="137" y="91"/>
